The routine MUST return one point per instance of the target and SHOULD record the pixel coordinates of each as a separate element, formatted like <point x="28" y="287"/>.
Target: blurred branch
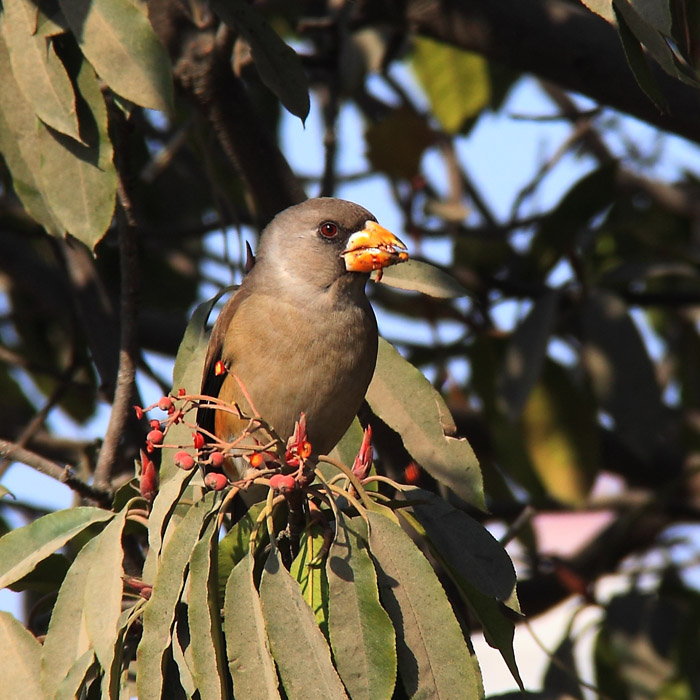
<point x="557" y="40"/>
<point x="16" y="453"/>
<point x="202" y="67"/>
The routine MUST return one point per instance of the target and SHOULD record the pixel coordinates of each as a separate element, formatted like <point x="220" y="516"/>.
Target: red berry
<point x="155" y="424"/>
<point x="198" y="440"/>
<point x="155" y="437"/>
<point x="181" y="391"/>
<point x="219" y="368"/>
<point x="411" y="473"/>
<point x="184" y="460"/>
<point x="217" y="459"/>
<point x="256" y="460"/>
<point x="139" y="412"/>
<point x="165" y="403"/>
<point x="282" y="482"/>
<point x="215" y="481"/>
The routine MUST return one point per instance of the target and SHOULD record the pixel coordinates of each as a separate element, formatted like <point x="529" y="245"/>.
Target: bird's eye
<point x="329" y="229"/>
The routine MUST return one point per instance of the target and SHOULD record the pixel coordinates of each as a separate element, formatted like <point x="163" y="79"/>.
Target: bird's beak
<point x="373" y="248"/>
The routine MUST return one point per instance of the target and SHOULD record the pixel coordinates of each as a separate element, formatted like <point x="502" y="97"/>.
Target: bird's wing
<point x="211" y="382"/>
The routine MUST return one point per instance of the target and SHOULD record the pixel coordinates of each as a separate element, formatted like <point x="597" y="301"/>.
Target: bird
<point x="299" y="336"/>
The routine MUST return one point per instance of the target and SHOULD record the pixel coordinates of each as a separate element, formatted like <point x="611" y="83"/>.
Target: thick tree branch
<point x="558" y="41"/>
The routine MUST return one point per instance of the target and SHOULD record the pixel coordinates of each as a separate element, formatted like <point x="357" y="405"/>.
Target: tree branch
<point x="558" y="41"/>
<point x="16" y="453"/>
<point x="128" y="353"/>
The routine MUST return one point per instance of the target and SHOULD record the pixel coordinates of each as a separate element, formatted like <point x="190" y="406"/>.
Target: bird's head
<point x="325" y="240"/>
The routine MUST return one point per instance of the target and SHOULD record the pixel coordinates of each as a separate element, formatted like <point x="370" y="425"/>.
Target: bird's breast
<point x="316" y="358"/>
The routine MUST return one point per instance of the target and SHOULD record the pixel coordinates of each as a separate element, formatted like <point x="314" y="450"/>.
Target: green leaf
<point x="118" y="40"/>
<point x="466" y="544"/>
<point x="525" y="354"/>
<point x="622" y="374"/>
<point x="651" y="26"/>
<point x="312" y="579"/>
<point x="234" y="546"/>
<point x="67" y="642"/>
<point x="278" y="64"/>
<point x="20" y="146"/>
<point x="560" y="435"/>
<point x="37" y="69"/>
<point x="204" y="619"/>
<point x="427" y="632"/>
<point x="637" y="61"/>
<point x="603" y="8"/>
<point x="361" y="633"/>
<point x="159" y="612"/>
<point x="499" y="630"/>
<point x="247" y="646"/>
<point x="75" y="681"/>
<point x="423" y="277"/>
<point x="164" y="504"/>
<point x="455" y="81"/>
<point x="298" y="646"/>
<point x="22" y="549"/>
<point x="406" y="401"/>
<point x="396" y="143"/>
<point x="102" y="606"/>
<point x="79" y="180"/>
<point x="20" y="654"/>
<point x="46" y="577"/>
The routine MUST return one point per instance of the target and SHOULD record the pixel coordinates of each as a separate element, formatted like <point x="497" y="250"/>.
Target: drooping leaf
<point x="622" y="374"/>
<point x="20" y="655"/>
<point x="638" y="63"/>
<point x="37" y="69"/>
<point x="456" y="81"/>
<point x="362" y="636"/>
<point x="20" y="147"/>
<point x="103" y="594"/>
<point x="278" y="64"/>
<point x="76" y="679"/>
<point x="560" y="435"/>
<point x="79" y="180"/>
<point x="165" y="501"/>
<point x="406" y="401"/>
<point x="298" y="645"/>
<point x="427" y="632"/>
<point x="205" y="619"/>
<point x="466" y="544"/>
<point x="67" y="653"/>
<point x="118" y="40"/>
<point x="159" y="612"/>
<point x="526" y="352"/>
<point x="234" y="546"/>
<point x="312" y="577"/>
<point x="418" y="276"/>
<point x="22" y="549"/>
<point x="499" y="630"/>
<point x="651" y="26"/>
<point x="247" y="646"/>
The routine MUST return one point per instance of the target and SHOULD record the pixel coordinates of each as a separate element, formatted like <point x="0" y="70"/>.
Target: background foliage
<point x="129" y="133"/>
